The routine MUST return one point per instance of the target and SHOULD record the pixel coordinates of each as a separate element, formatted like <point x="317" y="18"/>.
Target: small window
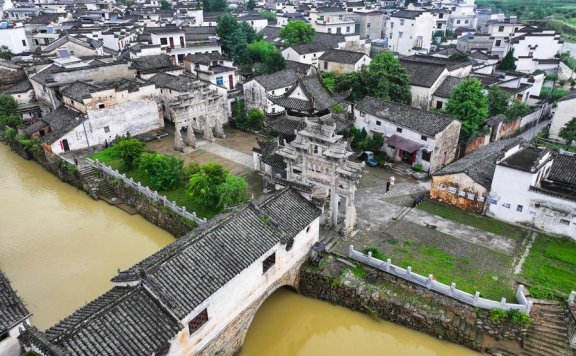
<point x="163" y="41"/>
<point x="362" y="114"/>
<point x="564" y="222"/>
<point x="426" y="156"/>
<point x="400" y="34"/>
<point x="519" y="208"/>
<point x="197" y="322"/>
<point x="439" y="105"/>
<point x="316" y="149"/>
<point x="368" y="25"/>
<point x="101" y="106"/>
<point x="106" y="129"/>
<point x="498" y="42"/>
<point x="325" y="65"/>
<point x="378" y="123"/>
<point x="458" y="22"/>
<point x="401" y="22"/>
<point x="506" y="205"/>
<point x="308" y="228"/>
<point x="441" y="186"/>
<point x="24" y="43"/>
<point x="268" y="262"/>
<point x="398" y="129"/>
<point x="424" y="138"/>
<point x="501" y="29"/>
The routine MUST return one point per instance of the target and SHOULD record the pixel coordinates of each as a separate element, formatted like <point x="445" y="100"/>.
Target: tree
<point x="469" y="105"/>
<point x="6" y="53"/>
<point x="508" y="62"/>
<point x="498" y="100"/>
<point x="384" y="78"/>
<point x="8" y="105"/>
<point x="214" y="5"/>
<point x="568" y="132"/>
<point x="165" y="5"/>
<point x="250" y="5"/>
<point x="459" y="56"/>
<point x="225" y="27"/>
<point x="269" y="15"/>
<point x="266" y="54"/>
<point x="517" y="110"/>
<point x="130" y="150"/>
<point x="234" y="36"/>
<point x="233" y="191"/>
<point x="164" y="171"/>
<point x="255" y="119"/>
<point x="297" y="32"/>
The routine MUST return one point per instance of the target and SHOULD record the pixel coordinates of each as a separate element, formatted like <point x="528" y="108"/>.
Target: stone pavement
<point x="228" y="153"/>
<point x="463" y="232"/>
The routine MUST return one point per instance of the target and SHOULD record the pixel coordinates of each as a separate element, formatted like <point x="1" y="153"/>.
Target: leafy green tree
<point x="164" y="171"/>
<point x="12" y="120"/>
<point x="517" y="110"/>
<point x="8" y="105"/>
<point x="508" y="62"/>
<point x="225" y="28"/>
<point x="250" y="5"/>
<point x="256" y="119"/>
<point x="165" y="5"/>
<point x="384" y="78"/>
<point x="233" y="191"/>
<point x="498" y="100"/>
<point x="10" y="134"/>
<point x="568" y="132"/>
<point x="269" y="15"/>
<point x="377" y="142"/>
<point x="297" y="32"/>
<point x="6" y="53"/>
<point x="129" y="150"/>
<point x="469" y="105"/>
<point x="234" y="36"/>
<point x="438" y="37"/>
<point x="267" y="55"/>
<point x="214" y="5"/>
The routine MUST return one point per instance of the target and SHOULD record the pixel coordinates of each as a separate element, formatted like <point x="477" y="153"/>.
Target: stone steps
<point x="548" y="335"/>
<point x="536" y="347"/>
<point x="559" y="340"/>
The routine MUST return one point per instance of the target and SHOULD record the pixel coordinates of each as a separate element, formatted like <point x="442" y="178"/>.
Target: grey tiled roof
<point x="445" y="89"/>
<point x="20" y="87"/>
<point x="283" y="78"/>
<point x="422" y="74"/>
<point x="313" y="47"/>
<point x="78" y="90"/>
<point x="12" y="310"/>
<point x="419" y="120"/>
<point x="563" y="169"/>
<point x="526" y="160"/>
<point x="61" y="121"/>
<point x="480" y="164"/>
<point x="179" y="83"/>
<point x="342" y="56"/>
<point x="298" y="67"/>
<point x="407" y="14"/>
<point x="569" y="96"/>
<point x="152" y="62"/>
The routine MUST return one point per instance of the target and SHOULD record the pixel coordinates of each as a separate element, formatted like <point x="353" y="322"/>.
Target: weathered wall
<point x="439" y="191"/>
<point x="407" y="304"/>
<point x="153" y="212"/>
<point x="446" y="145"/>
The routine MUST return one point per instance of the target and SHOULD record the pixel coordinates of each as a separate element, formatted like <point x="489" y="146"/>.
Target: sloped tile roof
<point x="342" y="56"/>
<point x="157" y="61"/>
<point x="78" y="90"/>
<point x="281" y="79"/>
<point x="480" y="164"/>
<point x="62" y="120"/>
<point x="445" y="89"/>
<point x="419" y="120"/>
<point x="12" y="310"/>
<point x="422" y="74"/>
<point x="563" y="169"/>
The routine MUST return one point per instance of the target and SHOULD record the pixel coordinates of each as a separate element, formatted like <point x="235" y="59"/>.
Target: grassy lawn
<point x="472" y="219"/>
<point x="550" y="269"/>
<point x="177" y="195"/>
<point x="448" y="268"/>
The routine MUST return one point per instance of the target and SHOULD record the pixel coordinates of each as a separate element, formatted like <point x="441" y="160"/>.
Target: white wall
<point x="422" y="26"/>
<point x="247" y="287"/>
<point x="565" y="111"/>
<point x="15" y="39"/>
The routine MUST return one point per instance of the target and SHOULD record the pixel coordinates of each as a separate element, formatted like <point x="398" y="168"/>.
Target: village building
<point x="177" y="301"/>
<point x="257" y="22"/>
<point x="463" y="14"/>
<point x="305" y="53"/>
<point x="302" y="69"/>
<point x="341" y="61"/>
<point x="77" y="47"/>
<point x="95" y="115"/>
<point x="148" y="66"/>
<point x="562" y="115"/>
<point x="466" y="182"/>
<point x="193" y="106"/>
<point x="256" y="91"/>
<point x="14" y="37"/>
<point x="370" y="23"/>
<point x="536" y="49"/>
<point x="332" y="20"/>
<point x="213" y="68"/>
<point x="13" y="316"/>
<point x="542" y="193"/>
<point x="500" y="32"/>
<point x="427" y="74"/>
<point x="23" y="94"/>
<point x="416" y="137"/>
<point x="410" y="32"/>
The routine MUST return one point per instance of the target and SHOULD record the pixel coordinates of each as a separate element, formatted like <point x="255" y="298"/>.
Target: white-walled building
<point x="14" y="37"/>
<point x="340" y="61"/>
<point x="370" y="23"/>
<point x="257" y="22"/>
<point x="14" y="315"/>
<point x="257" y="90"/>
<point x="463" y="14"/>
<point x="332" y="20"/>
<point x="213" y="68"/>
<point x="564" y="113"/>
<point x="414" y="136"/>
<point x="188" y="294"/>
<point x="536" y="49"/>
<point x="305" y="53"/>
<point x="410" y="32"/>
<point x="536" y="187"/>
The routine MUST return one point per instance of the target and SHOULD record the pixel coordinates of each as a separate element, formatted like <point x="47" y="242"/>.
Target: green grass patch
<point x="550" y="269"/>
<point x="359" y="272"/>
<point x="472" y="219"/>
<point x="178" y="194"/>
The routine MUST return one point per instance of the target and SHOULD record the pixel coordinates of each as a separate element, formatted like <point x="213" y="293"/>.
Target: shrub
<point x="10" y="134"/>
<point x="165" y="171"/>
<point x="497" y="315"/>
<point x="130" y="150"/>
<point x="418" y="167"/>
<point x="376" y="253"/>
<point x="519" y="318"/>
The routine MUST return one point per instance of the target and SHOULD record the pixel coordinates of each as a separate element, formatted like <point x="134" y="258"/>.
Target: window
<point x="163" y="41"/>
<point x="470" y="196"/>
<point x="347" y="28"/>
<point x="564" y="222"/>
<point x="466" y="22"/>
<point x="106" y="129"/>
<point x="362" y="114"/>
<point x="101" y="106"/>
<point x="329" y="30"/>
<point x="439" y="105"/>
<point x="424" y="138"/>
<point x="398" y="129"/>
<point x="326" y="65"/>
<point x="24" y="43"/>
<point x="441" y="186"/>
<point x="498" y="42"/>
<point x="426" y="156"/>
<point x="400" y="34"/>
<point x="268" y="262"/>
<point x="308" y="228"/>
<point x="458" y="22"/>
<point x="401" y="22"/>
<point x="197" y="321"/>
<point x="506" y="205"/>
<point x="315" y="149"/>
<point x="519" y="208"/>
<point x="368" y="25"/>
<point x="501" y="29"/>
<point x="530" y="54"/>
<point x="378" y="123"/>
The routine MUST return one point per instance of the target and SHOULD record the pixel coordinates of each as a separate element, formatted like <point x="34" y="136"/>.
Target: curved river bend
<point x="59" y="248"/>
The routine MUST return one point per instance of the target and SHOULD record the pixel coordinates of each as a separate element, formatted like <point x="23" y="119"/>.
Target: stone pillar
<point x="208" y="135"/>
<point x="334" y="206"/>
<point x="218" y="129"/>
<point x="350" y="222"/>
<point x="178" y="142"/>
<point x="190" y="137"/>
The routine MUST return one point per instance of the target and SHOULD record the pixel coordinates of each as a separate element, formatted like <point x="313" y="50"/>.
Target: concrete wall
<point x="459" y="190"/>
<point x="411" y="30"/>
<point x="563" y="114"/>
<point x="15" y="39"/>
<point x="249" y="288"/>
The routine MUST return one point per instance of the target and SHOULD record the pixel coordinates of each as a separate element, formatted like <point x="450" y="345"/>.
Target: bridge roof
<point x="142" y="319"/>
